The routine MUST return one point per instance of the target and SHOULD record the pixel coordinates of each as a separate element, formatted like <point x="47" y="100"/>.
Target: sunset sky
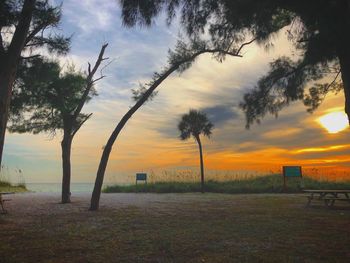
<point x="150" y="140"/>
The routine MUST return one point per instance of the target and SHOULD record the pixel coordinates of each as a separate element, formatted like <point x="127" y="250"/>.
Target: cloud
<point x="91" y="15"/>
<point x="150" y="139"/>
<point x="220" y="114"/>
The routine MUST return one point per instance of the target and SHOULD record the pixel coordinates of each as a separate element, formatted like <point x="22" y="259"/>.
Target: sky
<point x="150" y="140"/>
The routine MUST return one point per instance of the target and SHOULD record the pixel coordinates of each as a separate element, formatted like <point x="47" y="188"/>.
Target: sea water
<point x="57" y="187"/>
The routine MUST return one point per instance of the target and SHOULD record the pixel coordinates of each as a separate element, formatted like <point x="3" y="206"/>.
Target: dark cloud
<point x="220" y="114"/>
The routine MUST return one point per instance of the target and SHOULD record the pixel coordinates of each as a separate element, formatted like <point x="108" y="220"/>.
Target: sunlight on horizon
<point x="334" y="122"/>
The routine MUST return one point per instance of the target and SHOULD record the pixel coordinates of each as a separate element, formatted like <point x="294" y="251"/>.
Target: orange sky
<point x="150" y="141"/>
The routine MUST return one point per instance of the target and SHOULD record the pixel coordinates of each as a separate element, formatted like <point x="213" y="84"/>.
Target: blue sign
<point x="141" y="177"/>
<point x="292" y="171"/>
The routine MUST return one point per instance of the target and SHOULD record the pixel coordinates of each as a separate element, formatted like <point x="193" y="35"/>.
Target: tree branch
<point x="245" y="44"/>
<point x="80" y="124"/>
<point x="19" y="37"/>
<point x="107" y="149"/>
<point x="2" y="48"/>
<point x="35" y="31"/>
<point x="89" y="81"/>
<point x="30" y="57"/>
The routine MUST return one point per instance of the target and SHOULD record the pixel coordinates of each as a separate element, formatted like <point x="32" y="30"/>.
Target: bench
<point x="2" y="201"/>
<point x="328" y="196"/>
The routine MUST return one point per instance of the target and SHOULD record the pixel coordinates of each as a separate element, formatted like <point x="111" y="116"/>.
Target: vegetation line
<point x="264" y="184"/>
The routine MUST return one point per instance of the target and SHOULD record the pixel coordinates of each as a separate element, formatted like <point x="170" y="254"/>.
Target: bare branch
<point x="30" y="57"/>
<point x="95" y="80"/>
<point x="89" y="81"/>
<point x="245" y="44"/>
<point x="80" y="124"/>
<point x="35" y="31"/>
<point x="2" y="48"/>
<point x="89" y="68"/>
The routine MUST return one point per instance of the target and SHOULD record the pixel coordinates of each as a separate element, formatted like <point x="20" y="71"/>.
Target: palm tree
<point x="196" y="123"/>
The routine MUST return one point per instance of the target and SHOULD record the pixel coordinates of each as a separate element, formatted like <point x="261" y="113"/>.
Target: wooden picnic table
<point x="2" y="201"/>
<point x="329" y="196"/>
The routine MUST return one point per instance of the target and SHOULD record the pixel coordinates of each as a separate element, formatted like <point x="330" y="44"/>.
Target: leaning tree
<point x="26" y="26"/>
<point x="179" y="60"/>
<point x="318" y="29"/>
<point x="195" y="124"/>
<point x="319" y="36"/>
<point x="48" y="99"/>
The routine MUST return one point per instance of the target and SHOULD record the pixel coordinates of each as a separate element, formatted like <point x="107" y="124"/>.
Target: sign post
<point x="141" y="177"/>
<point x="290" y="172"/>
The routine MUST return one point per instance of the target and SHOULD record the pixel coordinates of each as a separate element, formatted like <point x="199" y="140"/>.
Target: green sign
<point x="141" y="177"/>
<point x="292" y="171"/>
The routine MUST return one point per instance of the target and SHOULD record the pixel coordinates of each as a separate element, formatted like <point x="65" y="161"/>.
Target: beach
<point x="189" y="227"/>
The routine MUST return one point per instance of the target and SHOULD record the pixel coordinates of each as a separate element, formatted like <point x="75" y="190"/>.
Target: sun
<point x="334" y="122"/>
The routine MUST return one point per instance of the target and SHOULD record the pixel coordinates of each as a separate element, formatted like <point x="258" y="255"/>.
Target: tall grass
<point x="258" y="184"/>
<point x="6" y="185"/>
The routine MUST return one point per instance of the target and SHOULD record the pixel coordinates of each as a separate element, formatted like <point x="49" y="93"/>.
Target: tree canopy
<point x="44" y="96"/>
<point x="27" y="28"/>
<point x="194" y="123"/>
<point x="42" y="31"/>
<point x="318" y="29"/>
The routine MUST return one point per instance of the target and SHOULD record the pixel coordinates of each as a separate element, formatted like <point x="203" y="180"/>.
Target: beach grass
<point x="258" y="184"/>
<point x="8" y="187"/>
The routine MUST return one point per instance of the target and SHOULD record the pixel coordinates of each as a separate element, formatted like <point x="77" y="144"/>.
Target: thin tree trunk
<point x="344" y="59"/>
<point x="345" y="73"/>
<point x="95" y="198"/>
<point x="6" y="80"/>
<point x="343" y="51"/>
<point x="66" y="145"/>
<point x="201" y="163"/>
<point x="9" y="64"/>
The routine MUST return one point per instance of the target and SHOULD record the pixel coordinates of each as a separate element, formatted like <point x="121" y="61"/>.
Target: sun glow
<point x="334" y="122"/>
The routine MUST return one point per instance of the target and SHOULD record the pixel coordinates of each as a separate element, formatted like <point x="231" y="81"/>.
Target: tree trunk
<point x="345" y="73"/>
<point x="201" y="163"/>
<point x="6" y="81"/>
<point x="8" y="67"/>
<point x="95" y="198"/>
<point x="66" y="145"/>
<point x="343" y="51"/>
<point x="344" y="59"/>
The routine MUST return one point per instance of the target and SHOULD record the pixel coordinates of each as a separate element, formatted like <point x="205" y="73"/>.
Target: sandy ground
<point x="25" y="205"/>
<point x="189" y="227"/>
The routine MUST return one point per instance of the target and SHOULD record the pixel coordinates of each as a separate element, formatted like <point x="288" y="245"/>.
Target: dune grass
<point x="8" y="187"/>
<point x="261" y="184"/>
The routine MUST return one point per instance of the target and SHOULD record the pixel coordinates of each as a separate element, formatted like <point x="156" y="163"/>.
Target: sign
<point x="141" y="177"/>
<point x="292" y="171"/>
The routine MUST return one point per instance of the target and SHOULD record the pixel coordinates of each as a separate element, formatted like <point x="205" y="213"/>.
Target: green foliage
<point x="320" y="38"/>
<point x="45" y="97"/>
<point x="45" y="20"/>
<point x="194" y="124"/>
<point x="261" y="184"/>
<point x="8" y="187"/>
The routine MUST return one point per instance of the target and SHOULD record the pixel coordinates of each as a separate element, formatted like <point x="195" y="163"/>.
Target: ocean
<point x="56" y="187"/>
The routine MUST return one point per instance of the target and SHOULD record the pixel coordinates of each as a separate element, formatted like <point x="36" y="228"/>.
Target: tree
<point x="194" y="124"/>
<point x="24" y="26"/>
<point x="179" y="60"/>
<point x="320" y="37"/>
<point x="46" y="99"/>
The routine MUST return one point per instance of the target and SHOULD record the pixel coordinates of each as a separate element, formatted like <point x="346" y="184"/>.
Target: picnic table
<point x="328" y="196"/>
<point x="2" y="201"/>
